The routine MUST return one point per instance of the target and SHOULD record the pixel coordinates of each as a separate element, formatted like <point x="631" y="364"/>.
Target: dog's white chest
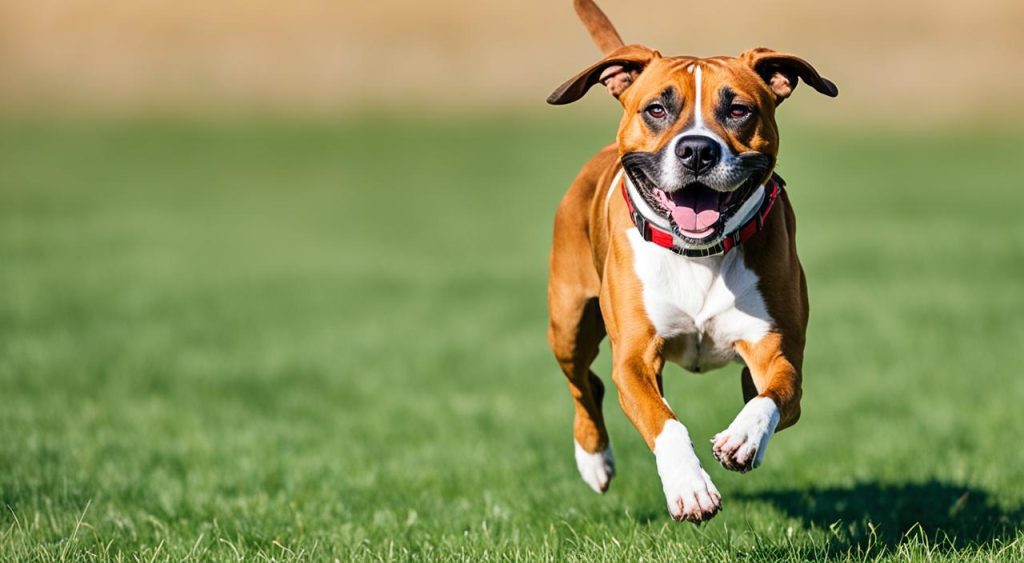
<point x="700" y="306"/>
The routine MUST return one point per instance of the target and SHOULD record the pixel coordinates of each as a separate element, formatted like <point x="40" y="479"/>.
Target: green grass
<point x="287" y="341"/>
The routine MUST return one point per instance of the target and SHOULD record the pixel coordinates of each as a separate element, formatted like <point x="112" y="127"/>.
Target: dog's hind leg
<point x="575" y="332"/>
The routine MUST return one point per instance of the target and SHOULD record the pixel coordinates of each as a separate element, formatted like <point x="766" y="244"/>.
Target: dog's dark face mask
<point x="697" y="136"/>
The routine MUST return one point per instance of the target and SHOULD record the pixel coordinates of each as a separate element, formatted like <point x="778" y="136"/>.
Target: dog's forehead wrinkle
<point x="677" y="72"/>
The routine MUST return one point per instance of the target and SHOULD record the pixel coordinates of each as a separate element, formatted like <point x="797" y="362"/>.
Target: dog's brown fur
<point x="593" y="287"/>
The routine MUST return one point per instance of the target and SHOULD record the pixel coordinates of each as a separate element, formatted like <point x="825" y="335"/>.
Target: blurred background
<point x="272" y="284"/>
<point x="898" y="62"/>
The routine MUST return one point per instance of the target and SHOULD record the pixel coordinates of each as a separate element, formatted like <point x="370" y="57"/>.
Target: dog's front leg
<point x="773" y="366"/>
<point x="689" y="492"/>
<point x="637" y="360"/>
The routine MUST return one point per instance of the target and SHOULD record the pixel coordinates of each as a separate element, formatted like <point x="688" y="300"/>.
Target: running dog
<point x="679" y="243"/>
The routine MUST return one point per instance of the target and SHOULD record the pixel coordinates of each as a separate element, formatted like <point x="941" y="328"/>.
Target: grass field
<point x="284" y="341"/>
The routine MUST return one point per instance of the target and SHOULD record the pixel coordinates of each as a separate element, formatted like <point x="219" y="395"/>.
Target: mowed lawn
<point x="280" y="341"/>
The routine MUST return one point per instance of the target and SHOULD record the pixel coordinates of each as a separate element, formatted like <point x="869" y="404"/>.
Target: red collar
<point x="664" y="239"/>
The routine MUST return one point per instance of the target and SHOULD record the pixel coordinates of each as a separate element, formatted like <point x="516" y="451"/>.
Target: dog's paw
<point x="742" y="445"/>
<point x="689" y="492"/>
<point x="691" y="496"/>
<point x="597" y="469"/>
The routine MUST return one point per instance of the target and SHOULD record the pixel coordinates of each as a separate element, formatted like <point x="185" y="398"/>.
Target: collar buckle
<point x="641" y="224"/>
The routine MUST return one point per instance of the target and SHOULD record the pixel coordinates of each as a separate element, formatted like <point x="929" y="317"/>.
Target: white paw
<point x="689" y="492"/>
<point x="597" y="468"/>
<point x="741" y="446"/>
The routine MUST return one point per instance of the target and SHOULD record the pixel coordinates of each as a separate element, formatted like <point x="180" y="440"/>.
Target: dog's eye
<point x="738" y="111"/>
<point x="657" y="111"/>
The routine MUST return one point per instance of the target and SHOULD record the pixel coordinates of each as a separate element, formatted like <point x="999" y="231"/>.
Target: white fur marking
<point x="698" y="119"/>
<point x="699" y="127"/>
<point x="708" y="303"/>
<point x="742" y="445"/>
<point x="670" y="166"/>
<point x="689" y="492"/>
<point x="597" y="468"/>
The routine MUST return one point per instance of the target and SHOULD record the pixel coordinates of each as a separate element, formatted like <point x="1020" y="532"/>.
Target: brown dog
<point x="679" y="243"/>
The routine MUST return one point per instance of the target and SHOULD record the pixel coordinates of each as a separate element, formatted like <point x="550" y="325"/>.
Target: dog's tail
<point x="600" y="27"/>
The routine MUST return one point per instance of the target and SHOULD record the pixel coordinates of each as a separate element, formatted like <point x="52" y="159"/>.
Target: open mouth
<point x="697" y="210"/>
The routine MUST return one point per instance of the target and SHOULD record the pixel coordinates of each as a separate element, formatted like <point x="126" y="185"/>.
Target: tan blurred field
<point x="942" y="60"/>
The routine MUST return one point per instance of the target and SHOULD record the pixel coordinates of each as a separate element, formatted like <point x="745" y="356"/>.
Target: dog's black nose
<point x="698" y="153"/>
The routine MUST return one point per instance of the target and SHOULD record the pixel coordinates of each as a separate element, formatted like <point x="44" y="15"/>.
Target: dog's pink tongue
<point x="696" y="209"/>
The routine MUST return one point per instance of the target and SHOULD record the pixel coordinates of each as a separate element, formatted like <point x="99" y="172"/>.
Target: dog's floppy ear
<point x="782" y="72"/>
<point x="616" y="71"/>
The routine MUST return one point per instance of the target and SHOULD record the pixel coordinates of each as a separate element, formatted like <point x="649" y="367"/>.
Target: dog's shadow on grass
<point x="884" y="514"/>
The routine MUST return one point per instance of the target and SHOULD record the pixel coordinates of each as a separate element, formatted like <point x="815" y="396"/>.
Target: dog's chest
<point x="700" y="306"/>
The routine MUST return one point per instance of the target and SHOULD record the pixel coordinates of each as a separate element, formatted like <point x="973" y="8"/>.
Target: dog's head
<point x="697" y="136"/>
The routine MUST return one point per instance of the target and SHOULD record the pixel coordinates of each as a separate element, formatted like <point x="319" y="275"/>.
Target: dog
<point x="678" y="242"/>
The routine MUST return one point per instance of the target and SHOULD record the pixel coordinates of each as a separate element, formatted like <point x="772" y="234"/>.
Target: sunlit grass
<point x="291" y="341"/>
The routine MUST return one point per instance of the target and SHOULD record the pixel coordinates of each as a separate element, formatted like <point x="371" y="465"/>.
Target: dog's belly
<point x="701" y="306"/>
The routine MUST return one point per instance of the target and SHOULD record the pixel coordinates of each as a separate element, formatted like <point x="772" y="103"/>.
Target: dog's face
<point x="697" y="136"/>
